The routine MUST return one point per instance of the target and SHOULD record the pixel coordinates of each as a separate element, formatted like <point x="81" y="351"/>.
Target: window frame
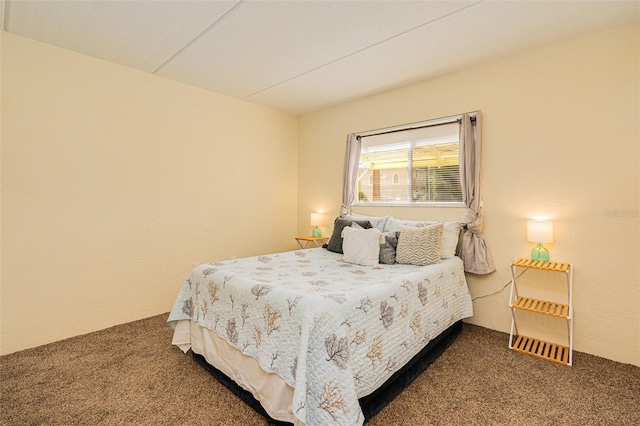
<point x="405" y="127"/>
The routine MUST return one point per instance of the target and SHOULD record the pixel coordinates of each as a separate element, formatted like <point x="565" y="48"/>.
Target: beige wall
<point x="114" y="182"/>
<point x="561" y="139"/>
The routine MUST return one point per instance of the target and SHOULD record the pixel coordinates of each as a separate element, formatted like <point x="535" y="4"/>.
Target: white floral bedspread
<point x="332" y="330"/>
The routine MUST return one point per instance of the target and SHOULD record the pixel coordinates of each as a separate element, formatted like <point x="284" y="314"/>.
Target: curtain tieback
<point x="472" y="222"/>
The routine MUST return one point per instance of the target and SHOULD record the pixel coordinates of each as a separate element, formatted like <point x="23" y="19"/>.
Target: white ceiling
<point x="298" y="56"/>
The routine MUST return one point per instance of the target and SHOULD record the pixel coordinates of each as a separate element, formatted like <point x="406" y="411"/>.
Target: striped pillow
<point x="419" y="246"/>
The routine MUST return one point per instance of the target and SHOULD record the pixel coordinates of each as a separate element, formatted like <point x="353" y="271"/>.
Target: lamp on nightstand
<point x="540" y="232"/>
<point x="316" y="220"/>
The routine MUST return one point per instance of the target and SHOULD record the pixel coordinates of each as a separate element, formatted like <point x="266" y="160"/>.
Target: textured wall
<point x="115" y="182"/>
<point x="561" y="140"/>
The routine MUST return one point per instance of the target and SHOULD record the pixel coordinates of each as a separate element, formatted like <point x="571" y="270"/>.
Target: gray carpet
<point x="131" y="375"/>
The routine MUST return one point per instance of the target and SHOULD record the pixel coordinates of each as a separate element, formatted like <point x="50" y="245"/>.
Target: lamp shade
<point x="316" y="219"/>
<point x="540" y="231"/>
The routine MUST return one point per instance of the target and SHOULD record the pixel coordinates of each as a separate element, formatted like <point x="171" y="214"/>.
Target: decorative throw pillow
<point x="388" y="248"/>
<point x="361" y="246"/>
<point x="335" y="242"/>
<point x="450" y="233"/>
<point x="419" y="246"/>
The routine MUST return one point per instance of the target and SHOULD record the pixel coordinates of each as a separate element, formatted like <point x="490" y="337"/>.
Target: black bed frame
<point x="372" y="403"/>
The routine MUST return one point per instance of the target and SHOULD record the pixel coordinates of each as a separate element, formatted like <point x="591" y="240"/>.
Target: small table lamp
<point x="316" y="220"/>
<point x="540" y="231"/>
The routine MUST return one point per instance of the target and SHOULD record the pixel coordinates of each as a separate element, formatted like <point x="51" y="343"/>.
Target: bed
<point x="314" y="338"/>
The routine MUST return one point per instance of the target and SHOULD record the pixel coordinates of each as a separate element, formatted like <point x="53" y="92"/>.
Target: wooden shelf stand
<point x="535" y="347"/>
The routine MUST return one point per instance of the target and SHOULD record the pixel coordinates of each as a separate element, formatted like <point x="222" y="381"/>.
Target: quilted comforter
<point x="332" y="330"/>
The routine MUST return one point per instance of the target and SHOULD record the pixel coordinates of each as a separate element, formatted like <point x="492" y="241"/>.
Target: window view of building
<point x="411" y="166"/>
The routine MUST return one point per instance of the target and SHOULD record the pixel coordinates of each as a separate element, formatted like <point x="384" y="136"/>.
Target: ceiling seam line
<point x="199" y="36"/>
<point x="365" y="48"/>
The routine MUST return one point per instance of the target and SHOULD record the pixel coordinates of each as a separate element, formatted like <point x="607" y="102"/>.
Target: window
<point x="421" y="161"/>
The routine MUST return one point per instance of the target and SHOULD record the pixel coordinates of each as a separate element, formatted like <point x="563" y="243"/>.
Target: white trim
<point x="454" y="204"/>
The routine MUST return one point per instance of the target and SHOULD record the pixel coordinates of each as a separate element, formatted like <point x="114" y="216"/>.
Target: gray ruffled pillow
<point x="388" y="248"/>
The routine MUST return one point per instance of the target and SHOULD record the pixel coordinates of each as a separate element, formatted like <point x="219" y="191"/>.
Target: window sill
<point x="416" y="204"/>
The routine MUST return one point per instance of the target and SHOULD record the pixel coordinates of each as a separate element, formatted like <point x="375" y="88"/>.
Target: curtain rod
<point x="418" y="125"/>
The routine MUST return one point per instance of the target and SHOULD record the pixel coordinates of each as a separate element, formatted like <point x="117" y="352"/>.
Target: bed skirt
<point x="372" y="403"/>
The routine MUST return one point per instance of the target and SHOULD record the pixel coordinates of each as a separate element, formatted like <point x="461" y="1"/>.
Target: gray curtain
<point x="473" y="250"/>
<point x="351" y="161"/>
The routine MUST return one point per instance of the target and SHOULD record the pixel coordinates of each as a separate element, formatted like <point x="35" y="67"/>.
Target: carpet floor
<point x="130" y="374"/>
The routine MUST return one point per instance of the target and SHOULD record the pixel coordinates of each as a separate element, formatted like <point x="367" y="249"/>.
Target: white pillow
<point x="450" y="236"/>
<point x="393" y="224"/>
<point x="378" y="222"/>
<point x="361" y="246"/>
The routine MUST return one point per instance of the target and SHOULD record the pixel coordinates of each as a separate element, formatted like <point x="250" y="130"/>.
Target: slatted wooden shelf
<point x="541" y="349"/>
<point x="528" y="345"/>
<point x="542" y="307"/>
<point x="547" y="266"/>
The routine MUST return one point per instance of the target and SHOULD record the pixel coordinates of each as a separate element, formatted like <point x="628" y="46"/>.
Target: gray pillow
<point x="388" y="248"/>
<point x="335" y="242"/>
